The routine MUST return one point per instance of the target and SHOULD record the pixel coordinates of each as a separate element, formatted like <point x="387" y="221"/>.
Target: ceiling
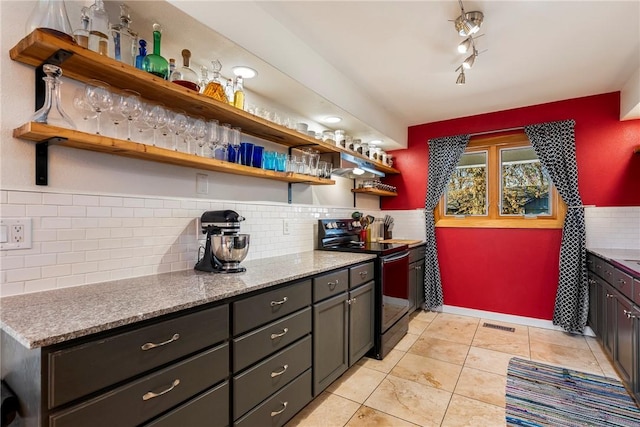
<point x="388" y="65"/>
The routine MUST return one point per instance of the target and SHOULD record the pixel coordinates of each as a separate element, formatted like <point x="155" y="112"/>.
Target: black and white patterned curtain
<point x="554" y="143"/>
<point x="444" y="154"/>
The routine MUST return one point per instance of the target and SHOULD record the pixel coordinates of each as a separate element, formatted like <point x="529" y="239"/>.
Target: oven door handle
<point x="391" y="258"/>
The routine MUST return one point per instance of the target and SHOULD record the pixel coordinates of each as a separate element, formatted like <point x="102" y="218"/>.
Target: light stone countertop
<point x="51" y="317"/>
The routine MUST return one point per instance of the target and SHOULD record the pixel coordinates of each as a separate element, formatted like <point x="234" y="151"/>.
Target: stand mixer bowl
<point x="230" y="249"/>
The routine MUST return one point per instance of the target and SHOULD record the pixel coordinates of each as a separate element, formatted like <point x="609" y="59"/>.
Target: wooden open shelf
<point x="83" y="64"/>
<point x="374" y="191"/>
<point x="40" y="132"/>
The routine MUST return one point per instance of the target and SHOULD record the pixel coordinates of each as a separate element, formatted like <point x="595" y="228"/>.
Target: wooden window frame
<point x="493" y="219"/>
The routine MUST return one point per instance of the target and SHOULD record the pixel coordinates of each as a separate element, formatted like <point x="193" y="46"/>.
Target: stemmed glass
<point x="129" y="107"/>
<point x="81" y="105"/>
<point x="177" y="125"/>
<point x="225" y="129"/>
<point x="114" y="114"/>
<point x="234" y="141"/>
<point x="99" y="98"/>
<point x="213" y="137"/>
<point x="155" y="116"/>
<point x="198" y="132"/>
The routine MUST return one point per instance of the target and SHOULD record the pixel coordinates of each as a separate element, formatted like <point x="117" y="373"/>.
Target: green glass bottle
<point x="155" y="63"/>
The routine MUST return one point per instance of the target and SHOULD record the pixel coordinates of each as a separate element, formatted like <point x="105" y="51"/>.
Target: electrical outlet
<point x="16" y="233"/>
<point x="285" y="226"/>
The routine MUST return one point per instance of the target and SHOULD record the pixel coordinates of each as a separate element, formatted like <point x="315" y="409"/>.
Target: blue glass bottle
<point x="143" y="53"/>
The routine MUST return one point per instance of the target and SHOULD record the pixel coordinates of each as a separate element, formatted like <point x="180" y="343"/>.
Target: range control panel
<point x="338" y="227"/>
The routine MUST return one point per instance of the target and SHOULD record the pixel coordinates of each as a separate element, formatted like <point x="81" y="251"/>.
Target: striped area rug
<point x="544" y="395"/>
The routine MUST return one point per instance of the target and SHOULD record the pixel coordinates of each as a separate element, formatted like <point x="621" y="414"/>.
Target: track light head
<point x="465" y="45"/>
<point x="468" y="63"/>
<point x="468" y="23"/>
<point x="461" y="78"/>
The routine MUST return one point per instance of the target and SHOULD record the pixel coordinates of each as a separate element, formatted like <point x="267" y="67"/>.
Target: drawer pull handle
<point x="150" y="345"/>
<point x="629" y="315"/>
<point x="280" y="372"/>
<point x="284" y="406"/>
<point x="150" y="395"/>
<point x="284" y="331"/>
<point x="363" y="274"/>
<point x="610" y="296"/>
<point x="332" y="285"/>
<point x="282" y="301"/>
<point x="622" y="281"/>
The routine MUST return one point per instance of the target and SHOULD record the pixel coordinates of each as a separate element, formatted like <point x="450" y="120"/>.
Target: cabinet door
<point x="420" y="284"/>
<point x="330" y="341"/>
<point x="594" y="304"/>
<point x="413" y="303"/>
<point x="609" y="325"/>
<point x="623" y="354"/>
<point x="635" y="382"/>
<point x="361" y="321"/>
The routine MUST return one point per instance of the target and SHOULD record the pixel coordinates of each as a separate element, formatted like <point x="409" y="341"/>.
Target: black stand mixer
<point x="225" y="247"/>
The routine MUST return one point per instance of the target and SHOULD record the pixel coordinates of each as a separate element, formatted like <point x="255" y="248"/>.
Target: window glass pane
<point x="525" y="186"/>
<point x="467" y="190"/>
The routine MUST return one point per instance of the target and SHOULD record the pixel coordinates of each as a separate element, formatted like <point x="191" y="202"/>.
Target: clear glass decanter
<point x="98" y="36"/>
<point x="51" y="16"/>
<point x="185" y="76"/>
<point x="155" y="63"/>
<point x="82" y="34"/>
<point x="124" y="40"/>
<point x="51" y="112"/>
<point x="214" y="89"/>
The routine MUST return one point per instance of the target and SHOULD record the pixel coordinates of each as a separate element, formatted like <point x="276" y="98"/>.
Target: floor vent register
<point x="500" y="327"/>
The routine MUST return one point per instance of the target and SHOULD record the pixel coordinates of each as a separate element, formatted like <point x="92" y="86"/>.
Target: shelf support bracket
<point x="57" y="58"/>
<point x="42" y="159"/>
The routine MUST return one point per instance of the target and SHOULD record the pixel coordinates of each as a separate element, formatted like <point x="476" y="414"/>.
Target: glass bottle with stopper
<point x="98" y="38"/>
<point x="82" y="34"/>
<point x="142" y="53"/>
<point x="51" y="112"/>
<point x="50" y="16"/>
<point x="185" y="76"/>
<point x="229" y="91"/>
<point x="214" y="88"/>
<point x="124" y="40"/>
<point x="238" y="94"/>
<point x="154" y="63"/>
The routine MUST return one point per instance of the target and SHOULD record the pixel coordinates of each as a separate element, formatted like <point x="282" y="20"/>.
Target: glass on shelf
<point x="142" y="52"/>
<point x="185" y="76"/>
<point x="50" y="16"/>
<point x="51" y="112"/>
<point x="98" y="34"/>
<point x="82" y="34"/>
<point x="99" y="97"/>
<point x="214" y="88"/>
<point x="155" y="63"/>
<point x="124" y="39"/>
<point x="238" y="94"/>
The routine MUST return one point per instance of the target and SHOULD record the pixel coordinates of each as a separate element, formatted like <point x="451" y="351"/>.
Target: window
<point x="500" y="183"/>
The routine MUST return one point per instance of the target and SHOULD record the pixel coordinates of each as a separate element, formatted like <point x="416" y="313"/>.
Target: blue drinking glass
<point x="256" y="161"/>
<point x="246" y="153"/>
<point x="281" y="162"/>
<point x="232" y="154"/>
<point x="270" y="160"/>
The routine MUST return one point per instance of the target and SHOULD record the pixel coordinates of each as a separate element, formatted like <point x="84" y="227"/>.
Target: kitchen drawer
<point x="608" y="272"/>
<point x="623" y="282"/>
<point x="282" y="406"/>
<point x="330" y="284"/>
<point x="261" y="381"/>
<point x="210" y="409"/>
<point x="255" y="311"/>
<point x="599" y="264"/>
<point x="86" y="368"/>
<point x="416" y="254"/>
<point x="636" y="294"/>
<point x="135" y="403"/>
<point x="361" y="274"/>
<point x="260" y="343"/>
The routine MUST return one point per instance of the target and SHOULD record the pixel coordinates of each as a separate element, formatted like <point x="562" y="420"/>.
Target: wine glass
<point x="99" y="97"/>
<point x="198" y="132"/>
<point x="155" y="116"/>
<point x="129" y="107"/>
<point x="234" y="141"/>
<point x="177" y="125"/>
<point x="82" y="106"/>
<point x="114" y="114"/>
<point x="213" y="137"/>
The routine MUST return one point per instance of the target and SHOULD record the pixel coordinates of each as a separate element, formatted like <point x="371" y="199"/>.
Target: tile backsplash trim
<point x="80" y="239"/>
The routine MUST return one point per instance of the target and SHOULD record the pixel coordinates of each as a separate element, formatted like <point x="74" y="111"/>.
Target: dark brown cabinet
<point x="416" y="279"/>
<point x="615" y="318"/>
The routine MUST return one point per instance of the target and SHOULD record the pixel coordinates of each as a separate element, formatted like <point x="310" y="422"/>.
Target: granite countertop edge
<point x="51" y="317"/>
<point x="618" y="257"/>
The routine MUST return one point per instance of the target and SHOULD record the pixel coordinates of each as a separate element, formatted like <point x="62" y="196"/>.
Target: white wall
<point x="104" y="217"/>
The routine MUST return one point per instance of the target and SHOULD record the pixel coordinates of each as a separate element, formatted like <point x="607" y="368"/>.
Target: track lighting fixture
<point x="467" y="24"/>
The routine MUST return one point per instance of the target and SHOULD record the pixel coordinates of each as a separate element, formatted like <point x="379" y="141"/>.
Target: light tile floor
<point x="448" y="371"/>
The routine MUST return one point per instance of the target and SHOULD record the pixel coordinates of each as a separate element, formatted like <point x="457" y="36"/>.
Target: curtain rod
<point x="495" y="131"/>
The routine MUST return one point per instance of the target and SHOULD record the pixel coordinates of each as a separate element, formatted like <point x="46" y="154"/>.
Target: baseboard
<point x="508" y="318"/>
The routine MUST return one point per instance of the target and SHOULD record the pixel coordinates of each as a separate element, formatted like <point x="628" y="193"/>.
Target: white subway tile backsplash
<point x="613" y="227"/>
<point x="11" y="262"/>
<point x="110" y="201"/>
<point x="40" y="285"/>
<point x="72" y="211"/>
<point x="84" y="200"/>
<point x="8" y="211"/>
<point x="40" y="260"/>
<point x="85" y="245"/>
<point x="41" y="210"/>
<point x="57" y="199"/>
<point x="56" y="270"/>
<point x="70" y="257"/>
<point x="4" y="196"/>
<point x="133" y="203"/>
<point x="78" y="234"/>
<point x="23" y="274"/>
<point x="122" y="212"/>
<point x="24" y="198"/>
<point x="55" y="247"/>
<point x="84" y="267"/>
<point x="68" y="281"/>
<point x="99" y="211"/>
<point x="58" y="222"/>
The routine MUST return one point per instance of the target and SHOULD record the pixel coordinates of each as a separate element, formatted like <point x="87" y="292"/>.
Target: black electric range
<point x="391" y="278"/>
